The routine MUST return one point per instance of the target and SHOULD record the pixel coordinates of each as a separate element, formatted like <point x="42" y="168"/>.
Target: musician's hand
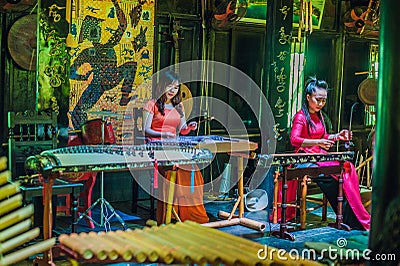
<point x="168" y="135"/>
<point x="326" y="144"/>
<point x="192" y="125"/>
<point x="344" y="135"/>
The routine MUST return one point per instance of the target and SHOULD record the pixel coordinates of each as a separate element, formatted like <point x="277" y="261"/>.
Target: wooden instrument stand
<point x="294" y="173"/>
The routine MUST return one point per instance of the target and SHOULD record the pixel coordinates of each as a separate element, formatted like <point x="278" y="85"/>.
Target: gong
<point x="367" y="91"/>
<point x="187" y="100"/>
<point x="22" y="42"/>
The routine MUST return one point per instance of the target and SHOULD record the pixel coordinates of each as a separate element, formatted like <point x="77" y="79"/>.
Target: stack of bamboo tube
<point x="184" y="242"/>
<point x="15" y="222"/>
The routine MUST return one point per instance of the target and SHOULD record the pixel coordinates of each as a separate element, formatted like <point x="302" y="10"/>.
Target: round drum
<point x="91" y="133"/>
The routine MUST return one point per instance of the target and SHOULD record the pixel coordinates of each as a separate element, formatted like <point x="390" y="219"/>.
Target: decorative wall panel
<point x="111" y="60"/>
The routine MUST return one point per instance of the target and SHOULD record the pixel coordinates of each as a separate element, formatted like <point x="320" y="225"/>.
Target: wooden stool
<point x="66" y="208"/>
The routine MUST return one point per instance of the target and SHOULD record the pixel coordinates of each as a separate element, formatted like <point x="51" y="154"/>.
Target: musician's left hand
<point x="345" y="135"/>
<point x="192" y="125"/>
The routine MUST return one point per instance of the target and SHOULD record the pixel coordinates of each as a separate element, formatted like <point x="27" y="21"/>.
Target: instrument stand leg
<point x="283" y="233"/>
<point x="106" y="210"/>
<point x="339" y="213"/>
<point x="239" y="203"/>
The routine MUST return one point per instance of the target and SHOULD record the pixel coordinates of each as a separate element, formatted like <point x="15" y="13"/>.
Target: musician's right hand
<point x="326" y="144"/>
<point x="168" y="135"/>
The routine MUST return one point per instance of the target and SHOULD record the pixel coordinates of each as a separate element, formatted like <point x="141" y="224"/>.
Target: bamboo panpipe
<point x="110" y="251"/>
<point x="10" y="204"/>
<point x="74" y="242"/>
<point x="147" y="249"/>
<point x="4" y="177"/>
<point x="16" y="216"/>
<point x="8" y="190"/>
<point x="3" y="163"/>
<point x="165" y="252"/>
<point x="216" y="255"/>
<point x="114" y="249"/>
<point x="194" y="250"/>
<point x="28" y="251"/>
<point x="95" y="246"/>
<point x="189" y="242"/>
<point x="15" y="230"/>
<point x="19" y="240"/>
<point x="124" y="248"/>
<point x="243" y="243"/>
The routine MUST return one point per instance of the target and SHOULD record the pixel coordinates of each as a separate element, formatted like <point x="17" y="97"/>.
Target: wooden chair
<point x="29" y="133"/>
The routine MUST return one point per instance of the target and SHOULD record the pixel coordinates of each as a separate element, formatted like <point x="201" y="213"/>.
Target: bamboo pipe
<point x="4" y="177"/>
<point x="153" y="252"/>
<point x="191" y="248"/>
<point x="244" y="221"/>
<point x="240" y="186"/>
<point x="223" y="223"/>
<point x="10" y="204"/>
<point x="234" y="208"/>
<point x="16" y="216"/>
<point x="242" y="243"/>
<point x="111" y="253"/>
<point x="94" y="245"/>
<point x="170" y="200"/>
<point x="24" y="253"/>
<point x="165" y="251"/>
<point x="126" y="250"/>
<point x="75" y="243"/>
<point x="119" y="250"/>
<point x="140" y="252"/>
<point x="225" y="251"/>
<point x="15" y="230"/>
<point x="3" y="163"/>
<point x="112" y="248"/>
<point x="19" y="240"/>
<point x="9" y="190"/>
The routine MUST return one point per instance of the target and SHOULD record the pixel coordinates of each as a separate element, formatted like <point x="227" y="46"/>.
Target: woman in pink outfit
<point x="309" y="135"/>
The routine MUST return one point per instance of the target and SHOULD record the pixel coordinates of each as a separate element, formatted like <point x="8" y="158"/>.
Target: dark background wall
<point x="331" y="53"/>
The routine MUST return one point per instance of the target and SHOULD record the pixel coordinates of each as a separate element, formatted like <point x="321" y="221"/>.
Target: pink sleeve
<point x="149" y="107"/>
<point x="299" y="123"/>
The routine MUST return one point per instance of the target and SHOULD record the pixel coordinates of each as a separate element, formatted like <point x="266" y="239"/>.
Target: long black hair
<point x="311" y="87"/>
<point x="167" y="78"/>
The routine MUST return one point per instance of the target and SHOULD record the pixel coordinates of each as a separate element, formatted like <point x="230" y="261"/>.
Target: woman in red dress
<point x="309" y="135"/>
<point x="165" y="118"/>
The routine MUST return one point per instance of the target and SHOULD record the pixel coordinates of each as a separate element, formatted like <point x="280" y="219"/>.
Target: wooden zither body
<point x="94" y="158"/>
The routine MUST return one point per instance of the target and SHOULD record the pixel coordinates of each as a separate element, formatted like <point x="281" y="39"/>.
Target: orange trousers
<point x="187" y="201"/>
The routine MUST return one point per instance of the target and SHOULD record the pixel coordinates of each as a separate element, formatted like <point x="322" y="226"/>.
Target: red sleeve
<point x="150" y="106"/>
<point x="298" y="125"/>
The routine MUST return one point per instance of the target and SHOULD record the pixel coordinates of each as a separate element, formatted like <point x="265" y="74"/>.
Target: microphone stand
<point x="104" y="204"/>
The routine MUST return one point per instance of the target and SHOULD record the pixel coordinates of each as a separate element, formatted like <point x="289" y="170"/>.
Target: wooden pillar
<point x="277" y="64"/>
<point x="385" y="223"/>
